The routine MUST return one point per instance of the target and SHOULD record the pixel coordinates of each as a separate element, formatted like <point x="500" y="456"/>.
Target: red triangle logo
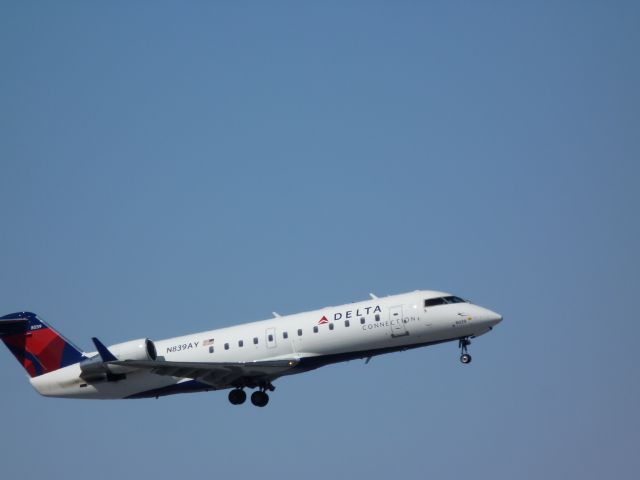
<point x="323" y="320"/>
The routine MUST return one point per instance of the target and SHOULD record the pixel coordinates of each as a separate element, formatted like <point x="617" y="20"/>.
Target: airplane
<point x="251" y="355"/>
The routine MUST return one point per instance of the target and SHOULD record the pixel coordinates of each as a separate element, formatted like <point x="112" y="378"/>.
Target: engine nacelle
<point x="95" y="369"/>
<point x="142" y="349"/>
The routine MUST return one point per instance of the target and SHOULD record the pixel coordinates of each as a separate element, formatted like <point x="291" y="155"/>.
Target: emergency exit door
<point x="270" y="337"/>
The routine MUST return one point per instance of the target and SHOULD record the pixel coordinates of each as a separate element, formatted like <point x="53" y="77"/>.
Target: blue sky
<point x="170" y="167"/>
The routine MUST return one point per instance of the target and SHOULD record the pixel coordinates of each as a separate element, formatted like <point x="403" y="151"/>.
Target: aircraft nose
<point x="494" y="318"/>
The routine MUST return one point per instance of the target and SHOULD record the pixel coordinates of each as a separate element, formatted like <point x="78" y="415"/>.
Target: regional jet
<point x="247" y="356"/>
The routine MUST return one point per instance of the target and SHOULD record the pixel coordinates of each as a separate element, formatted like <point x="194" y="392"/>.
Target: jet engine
<point x="95" y="368"/>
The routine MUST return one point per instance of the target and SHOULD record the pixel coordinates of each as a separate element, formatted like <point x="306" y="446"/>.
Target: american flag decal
<point x="207" y="342"/>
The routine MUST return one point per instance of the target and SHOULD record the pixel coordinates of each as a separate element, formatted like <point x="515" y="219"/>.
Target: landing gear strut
<point x="463" y="343"/>
<point x="237" y="396"/>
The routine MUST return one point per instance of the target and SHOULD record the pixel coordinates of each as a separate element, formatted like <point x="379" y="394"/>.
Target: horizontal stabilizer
<point x="11" y="326"/>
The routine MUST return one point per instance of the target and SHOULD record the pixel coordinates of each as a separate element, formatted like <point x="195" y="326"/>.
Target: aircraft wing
<point x="217" y="374"/>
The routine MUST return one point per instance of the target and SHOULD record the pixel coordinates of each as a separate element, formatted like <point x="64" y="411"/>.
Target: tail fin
<point x="37" y="346"/>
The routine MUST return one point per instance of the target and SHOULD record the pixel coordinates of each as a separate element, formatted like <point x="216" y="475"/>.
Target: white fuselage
<point x="316" y="338"/>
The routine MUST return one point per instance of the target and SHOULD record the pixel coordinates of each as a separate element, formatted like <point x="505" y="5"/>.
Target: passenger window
<point x="285" y="335"/>
<point x="226" y="346"/>
<point x="240" y="343"/>
<point x="270" y="338"/>
<point x="255" y="340"/>
<point x="299" y="332"/>
<point x="210" y="349"/>
<point x="331" y="326"/>
<point x="377" y="317"/>
<point x="315" y="329"/>
<point x="346" y="323"/>
<point x="361" y="320"/>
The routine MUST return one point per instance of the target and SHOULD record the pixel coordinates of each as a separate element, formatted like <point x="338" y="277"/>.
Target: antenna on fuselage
<point x="276" y="314"/>
<point x="373" y="297"/>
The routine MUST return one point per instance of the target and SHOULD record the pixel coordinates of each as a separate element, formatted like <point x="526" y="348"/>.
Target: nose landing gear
<point x="463" y="343"/>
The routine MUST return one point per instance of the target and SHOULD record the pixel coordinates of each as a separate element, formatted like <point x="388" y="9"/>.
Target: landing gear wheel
<point x="237" y="396"/>
<point x="259" y="398"/>
<point x="463" y="343"/>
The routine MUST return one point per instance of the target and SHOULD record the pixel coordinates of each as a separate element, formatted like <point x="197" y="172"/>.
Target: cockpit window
<point x="432" y="302"/>
<point x="453" y="299"/>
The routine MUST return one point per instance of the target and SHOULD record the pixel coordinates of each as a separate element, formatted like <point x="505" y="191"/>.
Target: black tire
<point x="259" y="398"/>
<point x="465" y="358"/>
<point x="237" y="396"/>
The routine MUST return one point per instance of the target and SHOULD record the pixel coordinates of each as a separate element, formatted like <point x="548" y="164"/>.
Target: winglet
<point x="104" y="352"/>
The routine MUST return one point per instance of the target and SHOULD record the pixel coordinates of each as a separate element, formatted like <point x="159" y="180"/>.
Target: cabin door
<point x="398" y="327"/>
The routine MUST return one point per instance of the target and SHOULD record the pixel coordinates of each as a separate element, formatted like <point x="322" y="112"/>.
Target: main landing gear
<point x="237" y="396"/>
<point x="463" y="343"/>
<point x="259" y="398"/>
